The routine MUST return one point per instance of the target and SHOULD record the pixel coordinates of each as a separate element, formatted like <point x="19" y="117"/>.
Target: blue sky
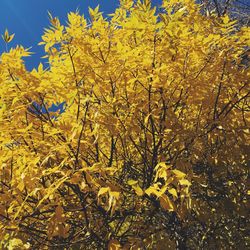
<point x="28" y="18"/>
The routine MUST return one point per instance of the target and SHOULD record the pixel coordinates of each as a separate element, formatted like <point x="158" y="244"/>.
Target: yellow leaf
<point x="115" y="194"/>
<point x="40" y="68"/>
<point x="173" y="192"/>
<point x="6" y="37"/>
<point x="185" y="182"/>
<point x="15" y="100"/>
<point x="147" y="118"/>
<point x="15" y="244"/>
<point x="152" y="191"/>
<point x="132" y="182"/>
<point x="162" y="165"/>
<point x="94" y="13"/>
<point x="114" y="245"/>
<point x="103" y="190"/>
<point x="225" y="19"/>
<point x="178" y="174"/>
<point x="138" y="190"/>
<point x="11" y="38"/>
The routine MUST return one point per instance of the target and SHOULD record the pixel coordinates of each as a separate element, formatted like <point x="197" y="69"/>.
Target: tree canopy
<point x="152" y="149"/>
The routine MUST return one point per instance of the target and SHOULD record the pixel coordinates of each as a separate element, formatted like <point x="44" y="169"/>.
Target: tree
<point x="151" y="151"/>
<point x="237" y="9"/>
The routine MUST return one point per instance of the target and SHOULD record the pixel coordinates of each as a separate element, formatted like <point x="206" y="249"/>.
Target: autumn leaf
<point x="178" y="174"/>
<point x="166" y="203"/>
<point x="173" y="192"/>
<point x="114" y="245"/>
<point x="6" y="37"/>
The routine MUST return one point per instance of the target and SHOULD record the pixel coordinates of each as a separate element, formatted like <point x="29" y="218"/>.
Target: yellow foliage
<point x="156" y="102"/>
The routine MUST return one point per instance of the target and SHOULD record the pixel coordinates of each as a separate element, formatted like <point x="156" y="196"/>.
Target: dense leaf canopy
<point x="151" y="151"/>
